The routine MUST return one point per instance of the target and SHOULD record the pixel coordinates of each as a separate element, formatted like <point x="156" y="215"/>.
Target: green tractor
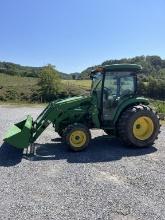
<point x="113" y="105"/>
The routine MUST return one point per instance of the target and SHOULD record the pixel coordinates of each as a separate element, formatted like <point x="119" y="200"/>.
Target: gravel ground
<point x="107" y="181"/>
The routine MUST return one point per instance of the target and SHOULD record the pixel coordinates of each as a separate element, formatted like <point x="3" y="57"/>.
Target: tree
<point x="50" y="83"/>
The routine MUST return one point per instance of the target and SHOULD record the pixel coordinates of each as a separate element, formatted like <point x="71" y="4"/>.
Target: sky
<point x="76" y="34"/>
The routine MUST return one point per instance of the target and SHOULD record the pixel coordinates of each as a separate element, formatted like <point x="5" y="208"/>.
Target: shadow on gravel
<point x="9" y="155"/>
<point x="100" y="149"/>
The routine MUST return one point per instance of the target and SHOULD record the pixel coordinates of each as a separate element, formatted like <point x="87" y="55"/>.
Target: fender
<point x="126" y="103"/>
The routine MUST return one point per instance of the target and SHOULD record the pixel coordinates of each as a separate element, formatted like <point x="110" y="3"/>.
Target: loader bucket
<point x="19" y="134"/>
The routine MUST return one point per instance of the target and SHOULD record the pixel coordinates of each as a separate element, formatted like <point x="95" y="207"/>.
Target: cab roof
<point x="118" y="67"/>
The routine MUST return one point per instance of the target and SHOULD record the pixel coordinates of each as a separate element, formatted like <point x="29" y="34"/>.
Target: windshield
<point x="96" y="81"/>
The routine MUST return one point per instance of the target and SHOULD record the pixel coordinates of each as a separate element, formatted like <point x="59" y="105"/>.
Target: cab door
<point x="118" y="86"/>
<point x="110" y="96"/>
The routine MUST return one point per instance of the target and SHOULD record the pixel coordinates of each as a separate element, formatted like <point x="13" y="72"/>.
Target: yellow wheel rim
<point x="143" y="128"/>
<point x="77" y="138"/>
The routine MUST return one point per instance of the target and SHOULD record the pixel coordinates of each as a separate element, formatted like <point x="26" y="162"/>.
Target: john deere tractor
<point x="113" y="105"/>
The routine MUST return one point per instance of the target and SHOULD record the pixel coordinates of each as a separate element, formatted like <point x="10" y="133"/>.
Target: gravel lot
<point x="107" y="181"/>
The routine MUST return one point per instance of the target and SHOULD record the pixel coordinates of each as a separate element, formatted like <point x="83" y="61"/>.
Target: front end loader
<point x="113" y="105"/>
<point x="59" y="113"/>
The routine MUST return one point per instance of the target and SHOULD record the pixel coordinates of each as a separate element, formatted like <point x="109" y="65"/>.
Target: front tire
<point x="138" y="126"/>
<point x="77" y="136"/>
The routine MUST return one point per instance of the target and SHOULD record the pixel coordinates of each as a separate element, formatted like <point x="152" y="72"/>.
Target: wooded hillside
<point x="25" y="71"/>
<point x="152" y="65"/>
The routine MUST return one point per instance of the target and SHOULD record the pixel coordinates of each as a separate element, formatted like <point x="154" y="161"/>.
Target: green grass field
<point x="17" y="89"/>
<point x="83" y="84"/>
<point x="14" y="81"/>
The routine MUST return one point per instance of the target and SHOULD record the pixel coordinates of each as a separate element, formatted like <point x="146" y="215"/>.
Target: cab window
<point x="110" y="84"/>
<point x="127" y="85"/>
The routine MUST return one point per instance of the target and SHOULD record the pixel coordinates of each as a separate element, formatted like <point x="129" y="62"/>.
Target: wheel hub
<point x="143" y="128"/>
<point x="78" y="138"/>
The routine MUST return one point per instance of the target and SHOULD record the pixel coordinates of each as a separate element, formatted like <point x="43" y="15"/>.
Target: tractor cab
<point x="112" y="84"/>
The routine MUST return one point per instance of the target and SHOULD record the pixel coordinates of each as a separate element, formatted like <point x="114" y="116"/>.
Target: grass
<point x="82" y="84"/>
<point x="158" y="105"/>
<point x="15" y="88"/>
<point x="25" y="89"/>
<point x="14" y="81"/>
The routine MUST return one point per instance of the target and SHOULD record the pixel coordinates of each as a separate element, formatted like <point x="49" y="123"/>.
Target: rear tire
<point x="77" y="136"/>
<point x="139" y="126"/>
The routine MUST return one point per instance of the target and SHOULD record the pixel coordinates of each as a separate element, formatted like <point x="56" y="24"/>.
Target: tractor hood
<point x="77" y="100"/>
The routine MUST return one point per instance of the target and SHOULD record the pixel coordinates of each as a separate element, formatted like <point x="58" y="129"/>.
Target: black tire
<point x="127" y="121"/>
<point x="79" y="142"/>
